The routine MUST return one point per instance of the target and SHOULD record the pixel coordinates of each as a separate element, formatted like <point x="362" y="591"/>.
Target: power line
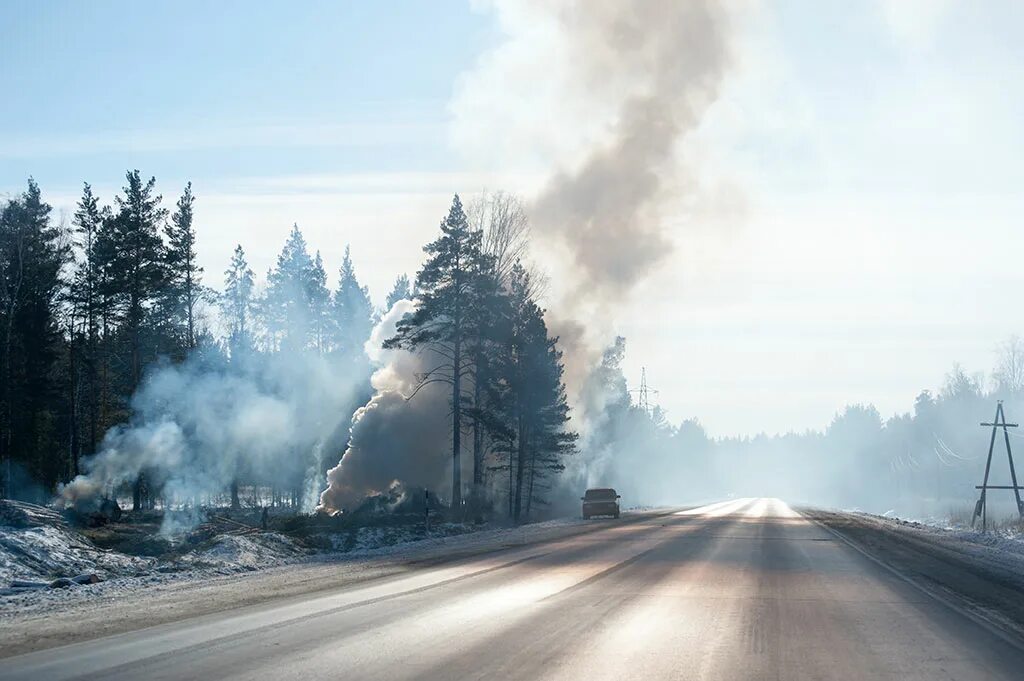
<point x="644" y="392"/>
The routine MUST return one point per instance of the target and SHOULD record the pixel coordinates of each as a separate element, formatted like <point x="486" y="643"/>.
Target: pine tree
<point x="488" y="318"/>
<point x="136" y="266"/>
<point x="238" y="304"/>
<point x="136" y="273"/>
<point x="442" y="319"/>
<point x="183" y="288"/>
<point x="353" y="312"/>
<point x="87" y="305"/>
<point x="402" y="290"/>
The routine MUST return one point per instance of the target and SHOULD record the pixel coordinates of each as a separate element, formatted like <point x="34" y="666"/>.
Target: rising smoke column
<point x="603" y="92"/>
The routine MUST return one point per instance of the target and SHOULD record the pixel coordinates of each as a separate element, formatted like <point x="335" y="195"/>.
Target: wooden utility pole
<point x="980" y="509"/>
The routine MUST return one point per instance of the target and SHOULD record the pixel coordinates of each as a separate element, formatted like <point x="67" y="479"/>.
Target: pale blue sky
<point x="860" y="228"/>
<point x="211" y="89"/>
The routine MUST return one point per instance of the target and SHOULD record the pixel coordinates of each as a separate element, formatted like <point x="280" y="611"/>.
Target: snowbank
<point x="47" y="552"/>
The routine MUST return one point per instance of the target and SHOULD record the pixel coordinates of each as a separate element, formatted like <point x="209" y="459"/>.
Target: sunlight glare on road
<point x="717" y="509"/>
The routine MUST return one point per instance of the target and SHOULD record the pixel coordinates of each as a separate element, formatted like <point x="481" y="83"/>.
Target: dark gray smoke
<point x="393" y="439"/>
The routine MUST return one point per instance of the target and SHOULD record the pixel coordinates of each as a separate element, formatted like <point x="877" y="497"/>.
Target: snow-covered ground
<point x="1003" y="544"/>
<point x="42" y="553"/>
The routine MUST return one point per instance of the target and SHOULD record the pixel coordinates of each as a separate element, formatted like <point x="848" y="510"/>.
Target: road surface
<point x="746" y="589"/>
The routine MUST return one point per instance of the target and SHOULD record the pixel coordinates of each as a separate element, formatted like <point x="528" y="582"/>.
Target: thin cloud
<point x="353" y="135"/>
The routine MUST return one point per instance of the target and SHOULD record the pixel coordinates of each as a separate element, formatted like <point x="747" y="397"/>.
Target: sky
<point x="856" y="229"/>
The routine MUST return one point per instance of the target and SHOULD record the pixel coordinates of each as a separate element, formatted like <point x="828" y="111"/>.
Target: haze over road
<point x="745" y="589"/>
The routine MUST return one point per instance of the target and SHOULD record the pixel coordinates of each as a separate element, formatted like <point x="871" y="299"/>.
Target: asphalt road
<point x="739" y="590"/>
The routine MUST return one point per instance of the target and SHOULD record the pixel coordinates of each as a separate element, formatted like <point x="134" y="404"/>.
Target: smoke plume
<point x="603" y="94"/>
<point x="600" y="94"/>
<point x="605" y="91"/>
<point x="393" y="439"/>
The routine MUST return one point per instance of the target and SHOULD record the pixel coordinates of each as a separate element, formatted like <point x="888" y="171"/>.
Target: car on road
<point x="600" y="501"/>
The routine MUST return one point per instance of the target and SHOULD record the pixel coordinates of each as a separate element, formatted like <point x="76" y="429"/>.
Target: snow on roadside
<point x="228" y="556"/>
<point x="46" y="552"/>
<point x="1003" y="546"/>
<point x="457" y="537"/>
<point x="245" y="552"/>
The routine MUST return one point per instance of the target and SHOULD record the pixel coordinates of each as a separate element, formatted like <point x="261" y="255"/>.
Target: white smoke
<point x="195" y="427"/>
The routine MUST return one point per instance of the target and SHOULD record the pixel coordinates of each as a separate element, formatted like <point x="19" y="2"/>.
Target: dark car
<point x="600" y="501"/>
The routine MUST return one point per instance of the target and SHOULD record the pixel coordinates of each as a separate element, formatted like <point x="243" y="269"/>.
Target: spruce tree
<point x="319" y="305"/>
<point x="287" y="312"/>
<point x="532" y="398"/>
<point x="238" y="304"/>
<point x="353" y="312"/>
<point x="402" y="290"/>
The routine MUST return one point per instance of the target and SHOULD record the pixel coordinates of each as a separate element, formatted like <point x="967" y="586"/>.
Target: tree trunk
<point x="520" y="460"/>
<point x="529" y="485"/>
<point x="511" y="478"/>
<point x="73" y="404"/>
<point x="234" y="495"/>
<point x="457" y="427"/>
<point x="478" y="447"/>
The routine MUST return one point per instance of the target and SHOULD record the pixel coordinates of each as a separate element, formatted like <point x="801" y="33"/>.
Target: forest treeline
<point x="91" y="308"/>
<point x="88" y="307"/>
<point x="922" y="462"/>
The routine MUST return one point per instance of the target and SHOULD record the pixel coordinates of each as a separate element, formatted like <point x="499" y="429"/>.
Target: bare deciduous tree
<point x="505" y="224"/>
<point x="1009" y="371"/>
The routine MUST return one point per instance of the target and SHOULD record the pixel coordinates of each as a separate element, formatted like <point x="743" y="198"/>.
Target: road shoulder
<point x="975" y="579"/>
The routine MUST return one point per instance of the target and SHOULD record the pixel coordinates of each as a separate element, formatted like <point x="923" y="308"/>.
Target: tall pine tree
<point x="88" y="308"/>
<point x="183" y="289"/>
<point x="135" y="276"/>
<point x="443" y="319"/>
<point x="136" y="272"/>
